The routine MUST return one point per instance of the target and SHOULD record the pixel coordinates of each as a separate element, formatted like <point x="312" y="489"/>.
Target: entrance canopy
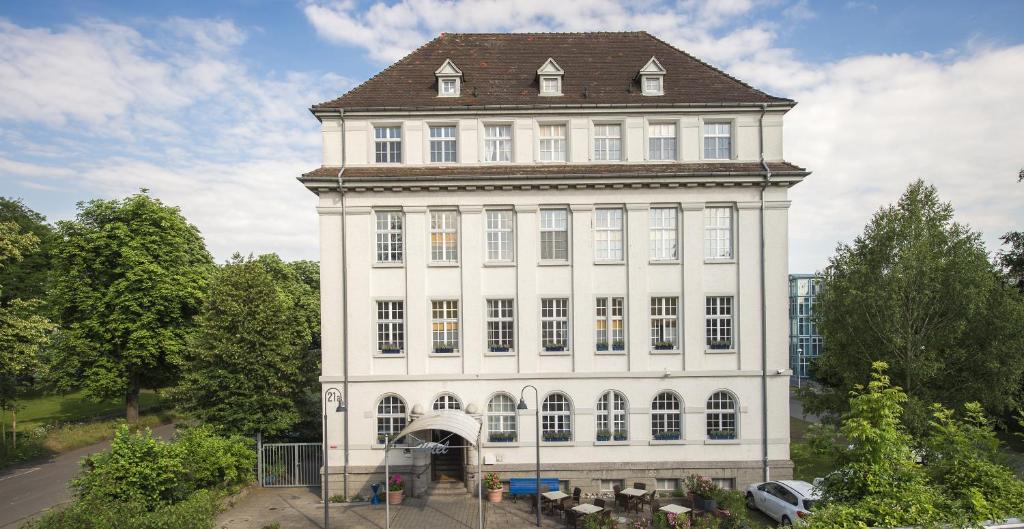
<point x="456" y="422"/>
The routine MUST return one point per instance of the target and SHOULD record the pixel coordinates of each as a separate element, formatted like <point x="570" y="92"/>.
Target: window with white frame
<point x="725" y="483"/>
<point x="390" y="417"/>
<point x="609" y="324"/>
<point x="664" y="323"/>
<point x="661" y="141"/>
<point x="390" y="327"/>
<point x="449" y="87"/>
<point x="664" y="234"/>
<point x="717" y="141"/>
<point x="444" y="236"/>
<point x="442" y="144"/>
<point x="500" y="325"/>
<point x="610" y="416"/>
<point x="389" y="237"/>
<point x="501" y="419"/>
<point x="552" y="143"/>
<point x="721" y="416"/>
<point x="447" y="401"/>
<point x="556" y="418"/>
<point x="388" y="144"/>
<point x="718" y="233"/>
<point x="608" y="485"/>
<point x="499" y="233"/>
<point x="550" y="86"/>
<point x="498" y="143"/>
<point x="652" y="85"/>
<point x="608" y="142"/>
<point x="608" y="234"/>
<point x="666" y="417"/>
<point x="445" y="325"/>
<point x="718" y="322"/>
<point x="667" y="484"/>
<point x="554" y="234"/>
<point x="554" y="323"/>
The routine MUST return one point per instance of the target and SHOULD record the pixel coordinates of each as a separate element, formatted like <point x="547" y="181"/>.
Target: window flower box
<point x="620" y="435"/>
<point x="557" y="437"/>
<point x="618" y="345"/>
<point x="667" y="436"/>
<point x="381" y="438"/>
<point x="664" y="346"/>
<point x="499" y="348"/>
<point x="390" y="349"/>
<point x="602" y="346"/>
<point x="604" y="435"/>
<point x="720" y="345"/>
<point x="554" y="346"/>
<point x="446" y="348"/>
<point x="723" y="434"/>
<point x="501" y="437"/>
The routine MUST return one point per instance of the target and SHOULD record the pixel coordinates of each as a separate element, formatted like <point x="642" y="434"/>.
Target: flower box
<point x="444" y="349"/>
<point x="499" y="349"/>
<point x="720" y="345"/>
<point x="604" y="435"/>
<point x="619" y="346"/>
<point x="557" y="437"/>
<point x="501" y="437"/>
<point x="390" y="349"/>
<point x="722" y="434"/>
<point x="554" y="346"/>
<point x="602" y="346"/>
<point x="620" y="435"/>
<point x="667" y="436"/>
<point x="664" y="346"/>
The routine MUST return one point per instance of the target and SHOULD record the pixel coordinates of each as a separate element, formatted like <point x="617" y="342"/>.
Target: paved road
<point x="29" y="489"/>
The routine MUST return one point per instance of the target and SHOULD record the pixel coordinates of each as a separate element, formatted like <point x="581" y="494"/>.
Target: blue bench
<point x="528" y="486"/>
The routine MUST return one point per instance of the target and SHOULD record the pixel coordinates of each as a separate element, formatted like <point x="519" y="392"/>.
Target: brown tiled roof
<point x="501" y="70"/>
<point x="485" y="172"/>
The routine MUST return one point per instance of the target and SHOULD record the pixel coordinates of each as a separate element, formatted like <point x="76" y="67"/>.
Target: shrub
<point x="196" y="512"/>
<point x="211" y="461"/>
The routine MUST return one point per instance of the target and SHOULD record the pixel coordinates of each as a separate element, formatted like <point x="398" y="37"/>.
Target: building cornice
<point x="490" y="110"/>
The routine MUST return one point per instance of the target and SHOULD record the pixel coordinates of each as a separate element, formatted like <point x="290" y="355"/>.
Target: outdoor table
<point x="554" y="495"/>
<point x="633" y="497"/>
<point x="587" y="508"/>
<point x="675" y="509"/>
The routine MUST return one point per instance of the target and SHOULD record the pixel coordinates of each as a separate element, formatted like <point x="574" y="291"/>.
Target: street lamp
<point x="328" y="395"/>
<point x="522" y="407"/>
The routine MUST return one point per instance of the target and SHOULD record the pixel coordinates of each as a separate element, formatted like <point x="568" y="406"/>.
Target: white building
<point x="599" y="215"/>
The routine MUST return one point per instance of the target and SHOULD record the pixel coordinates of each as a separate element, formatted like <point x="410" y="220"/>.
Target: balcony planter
<point x="557" y="437"/>
<point x="667" y="436"/>
<point x="719" y="435"/>
<point x="554" y="346"/>
<point x="501" y="437"/>
<point x="444" y="349"/>
<point x="498" y="349"/>
<point x="720" y="345"/>
<point x="619" y="346"/>
<point x="602" y="346"/>
<point x="664" y="346"/>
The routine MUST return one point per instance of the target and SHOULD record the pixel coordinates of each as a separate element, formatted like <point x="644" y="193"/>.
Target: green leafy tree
<point x="129" y="277"/>
<point x="250" y="365"/>
<point x="917" y="290"/>
<point x="1012" y="258"/>
<point x="28" y="277"/>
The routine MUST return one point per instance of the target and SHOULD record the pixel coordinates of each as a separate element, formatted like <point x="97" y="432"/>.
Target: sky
<point x="205" y="104"/>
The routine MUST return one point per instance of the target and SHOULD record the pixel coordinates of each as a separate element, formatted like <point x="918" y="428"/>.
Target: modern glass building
<point x="804" y="341"/>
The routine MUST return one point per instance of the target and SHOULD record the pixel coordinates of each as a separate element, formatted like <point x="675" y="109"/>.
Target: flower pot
<point x="395" y="497"/>
<point x="494" y="495"/>
<point x="706" y="504"/>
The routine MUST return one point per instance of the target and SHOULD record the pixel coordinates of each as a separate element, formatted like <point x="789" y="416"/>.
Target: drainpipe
<point x="344" y="305"/>
<point x="764" y="308"/>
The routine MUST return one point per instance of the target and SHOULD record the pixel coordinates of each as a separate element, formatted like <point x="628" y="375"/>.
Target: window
<point x="444" y="237"/>
<point x="609" y="324"/>
<point x="501" y="419"/>
<point x="661" y="138"/>
<point x="447" y="401"/>
<point x="556" y="418"/>
<point x="552" y="143"/>
<point x="664" y="323"/>
<point x="667" y="484"/>
<point x="390" y="416"/>
<point x="608" y="234"/>
<point x="498" y="143"/>
<point x="717" y="141"/>
<point x="445" y="326"/>
<point x="608" y="142"/>
<point x="664" y="245"/>
<point x="389" y="236"/>
<point x="608" y="485"/>
<point x="554" y="235"/>
<point x="550" y="86"/>
<point x="500" y="325"/>
<point x="718" y="233"/>
<point x="442" y="144"/>
<point x="390" y="327"/>
<point x="611" y="417"/>
<point x="554" y="323"/>
<point x="725" y="483"/>
<point x="449" y="87"/>
<point x="721" y="416"/>
<point x="388" y="144"/>
<point x="652" y="85"/>
<point x="666" y="423"/>
<point x="718" y="322"/>
<point x="500" y="244"/>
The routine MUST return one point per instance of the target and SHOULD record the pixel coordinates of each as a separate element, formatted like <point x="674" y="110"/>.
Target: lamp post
<point x="328" y="395"/>
<point x="521" y="407"/>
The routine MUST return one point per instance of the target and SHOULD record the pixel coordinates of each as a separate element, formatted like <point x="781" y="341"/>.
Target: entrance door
<point x="449" y="466"/>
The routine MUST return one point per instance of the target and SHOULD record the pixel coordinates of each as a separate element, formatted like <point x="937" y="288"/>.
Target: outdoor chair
<point x="576" y="492"/>
<point x="655" y="505"/>
<point x="599" y="502"/>
<point x="621" y="500"/>
<point x="638" y="485"/>
<point x="561" y="507"/>
<point x="572" y="519"/>
<point x="642" y="500"/>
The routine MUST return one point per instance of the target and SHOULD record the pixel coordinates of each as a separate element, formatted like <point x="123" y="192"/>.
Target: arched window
<point x="611" y="417"/>
<point x="556" y="418"/>
<point x="390" y="416"/>
<point x="501" y="419"/>
<point x="447" y="401"/>
<point x="721" y="416"/>
<point x="666" y="419"/>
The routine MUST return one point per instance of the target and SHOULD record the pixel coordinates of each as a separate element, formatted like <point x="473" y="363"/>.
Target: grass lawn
<point x="73" y="407"/>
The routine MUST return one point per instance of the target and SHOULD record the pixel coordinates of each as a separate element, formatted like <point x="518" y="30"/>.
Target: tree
<point x="249" y="366"/>
<point x="1012" y="259"/>
<point x="129" y="277"/>
<point x="918" y="291"/>
<point x="26" y="278"/>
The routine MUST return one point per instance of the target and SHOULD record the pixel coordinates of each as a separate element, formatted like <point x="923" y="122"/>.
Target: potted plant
<point x="719" y="345"/>
<point x="618" y="345"/>
<point x="498" y="348"/>
<point x="501" y="437"/>
<point x="445" y="348"/>
<point x="494" y="488"/>
<point x="381" y="438"/>
<point x="602" y="346"/>
<point x="722" y="433"/>
<point x="672" y="435"/>
<point x="703" y="491"/>
<point x="620" y="435"/>
<point x="557" y="437"/>
<point x="663" y="345"/>
<point x="554" y="346"/>
<point x="396" y="489"/>
<point x="390" y="349"/>
<point x="604" y="435"/>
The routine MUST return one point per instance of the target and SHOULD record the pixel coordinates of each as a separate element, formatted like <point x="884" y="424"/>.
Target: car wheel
<point x="786" y="521"/>
<point x="750" y="501"/>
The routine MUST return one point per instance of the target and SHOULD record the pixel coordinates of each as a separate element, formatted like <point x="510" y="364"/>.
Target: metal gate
<point x="290" y="464"/>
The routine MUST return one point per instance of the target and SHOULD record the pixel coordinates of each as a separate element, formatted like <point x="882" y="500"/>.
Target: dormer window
<point x="652" y="78"/>
<point x="449" y="80"/>
<point x="550" y="74"/>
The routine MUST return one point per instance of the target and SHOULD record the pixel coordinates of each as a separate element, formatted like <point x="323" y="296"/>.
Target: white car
<point x="786" y="501"/>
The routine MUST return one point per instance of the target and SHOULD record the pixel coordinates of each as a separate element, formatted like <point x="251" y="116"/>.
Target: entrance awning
<point x="456" y="422"/>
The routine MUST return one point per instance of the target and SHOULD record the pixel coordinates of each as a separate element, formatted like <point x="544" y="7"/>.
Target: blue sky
<point x="205" y="104"/>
